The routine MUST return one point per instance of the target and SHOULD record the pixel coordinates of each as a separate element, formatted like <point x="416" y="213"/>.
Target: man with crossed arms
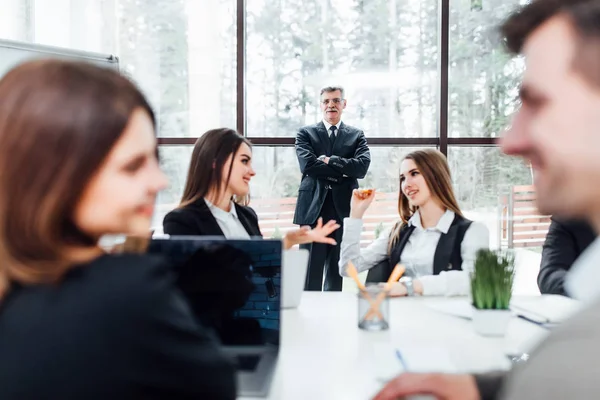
<point x="332" y="157"/>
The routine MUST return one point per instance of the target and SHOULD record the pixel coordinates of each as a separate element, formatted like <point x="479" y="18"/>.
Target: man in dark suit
<point x="332" y="157"/>
<point x="566" y="240"/>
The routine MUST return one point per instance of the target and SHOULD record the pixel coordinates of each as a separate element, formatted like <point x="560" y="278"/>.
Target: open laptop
<point x="234" y="286"/>
<point x="294" y="269"/>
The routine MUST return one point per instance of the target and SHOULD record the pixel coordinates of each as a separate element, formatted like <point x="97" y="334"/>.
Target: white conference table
<point x="324" y="355"/>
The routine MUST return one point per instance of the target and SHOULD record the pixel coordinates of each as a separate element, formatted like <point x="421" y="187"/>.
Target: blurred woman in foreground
<point x="78" y="160"/>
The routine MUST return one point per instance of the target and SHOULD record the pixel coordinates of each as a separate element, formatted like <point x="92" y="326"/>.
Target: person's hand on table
<point x="399" y="289"/>
<point x="441" y="386"/>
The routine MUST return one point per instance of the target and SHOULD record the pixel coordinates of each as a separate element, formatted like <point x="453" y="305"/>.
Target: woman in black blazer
<point x="215" y="198"/>
<point x="76" y="323"/>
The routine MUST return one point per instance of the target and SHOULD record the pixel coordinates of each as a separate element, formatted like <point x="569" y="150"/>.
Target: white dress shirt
<point x="228" y="222"/>
<point x="328" y="125"/>
<point x="418" y="254"/>
<point x="582" y="282"/>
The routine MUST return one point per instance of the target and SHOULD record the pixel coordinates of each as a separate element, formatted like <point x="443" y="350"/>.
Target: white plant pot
<point x="491" y="322"/>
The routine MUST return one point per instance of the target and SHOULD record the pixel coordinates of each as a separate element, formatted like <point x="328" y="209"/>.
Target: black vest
<point x="447" y="253"/>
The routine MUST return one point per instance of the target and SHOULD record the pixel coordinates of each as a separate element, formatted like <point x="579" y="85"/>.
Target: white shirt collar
<point x="583" y="280"/>
<point x="219" y="213"/>
<point x="328" y="125"/>
<point x="443" y="224"/>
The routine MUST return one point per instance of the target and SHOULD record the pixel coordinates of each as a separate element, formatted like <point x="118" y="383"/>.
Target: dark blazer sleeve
<point x="357" y="166"/>
<point x="177" y="223"/>
<point x="177" y="356"/>
<point x="309" y="163"/>
<point x="558" y="254"/>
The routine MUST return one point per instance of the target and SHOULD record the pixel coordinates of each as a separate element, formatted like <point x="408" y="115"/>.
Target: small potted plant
<point x="491" y="290"/>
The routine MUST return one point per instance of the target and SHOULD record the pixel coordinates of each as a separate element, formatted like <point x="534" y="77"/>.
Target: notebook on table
<point x="547" y="309"/>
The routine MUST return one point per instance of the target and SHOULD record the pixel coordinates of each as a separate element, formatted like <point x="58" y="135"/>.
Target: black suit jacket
<point x="116" y="328"/>
<point x="565" y="241"/>
<point x="196" y="220"/>
<point x="349" y="161"/>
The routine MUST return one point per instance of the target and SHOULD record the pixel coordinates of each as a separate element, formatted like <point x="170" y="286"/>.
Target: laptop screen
<point x="233" y="286"/>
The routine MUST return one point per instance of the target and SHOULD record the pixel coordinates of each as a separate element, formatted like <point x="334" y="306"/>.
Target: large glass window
<point x="483" y="179"/>
<point x="277" y="172"/>
<point x="483" y="78"/>
<point x="181" y="53"/>
<point x="82" y="25"/>
<point x="384" y="52"/>
<point x="174" y="161"/>
<point x="16" y="20"/>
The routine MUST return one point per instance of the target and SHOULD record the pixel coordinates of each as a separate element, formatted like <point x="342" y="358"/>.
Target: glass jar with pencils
<point x="373" y="308"/>
<point x="373" y="299"/>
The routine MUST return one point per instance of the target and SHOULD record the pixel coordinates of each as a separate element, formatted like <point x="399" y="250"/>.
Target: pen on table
<point x="545" y="325"/>
<point x="401" y="359"/>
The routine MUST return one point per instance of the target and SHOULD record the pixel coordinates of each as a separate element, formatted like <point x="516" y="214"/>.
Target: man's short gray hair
<point x="329" y="89"/>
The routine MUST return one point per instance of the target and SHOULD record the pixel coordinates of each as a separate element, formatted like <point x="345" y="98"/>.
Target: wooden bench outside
<point x="275" y="216"/>
<point x="521" y="224"/>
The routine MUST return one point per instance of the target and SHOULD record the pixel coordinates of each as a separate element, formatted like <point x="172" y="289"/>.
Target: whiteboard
<point x="14" y="53"/>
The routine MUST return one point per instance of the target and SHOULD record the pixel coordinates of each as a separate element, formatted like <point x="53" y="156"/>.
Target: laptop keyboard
<point x="247" y="362"/>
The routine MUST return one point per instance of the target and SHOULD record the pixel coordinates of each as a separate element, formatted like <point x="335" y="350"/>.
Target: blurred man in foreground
<point x="558" y="130"/>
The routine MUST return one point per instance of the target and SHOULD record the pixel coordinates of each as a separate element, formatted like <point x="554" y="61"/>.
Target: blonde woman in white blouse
<point x="433" y="239"/>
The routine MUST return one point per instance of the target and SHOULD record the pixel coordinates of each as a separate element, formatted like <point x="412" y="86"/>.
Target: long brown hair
<point x="434" y="167"/>
<point x="210" y="154"/>
<point x="59" y="121"/>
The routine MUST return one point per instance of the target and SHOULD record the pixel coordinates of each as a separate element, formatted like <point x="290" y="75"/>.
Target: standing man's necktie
<point x="331" y="138"/>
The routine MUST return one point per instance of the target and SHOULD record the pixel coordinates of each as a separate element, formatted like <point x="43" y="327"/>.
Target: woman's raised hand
<point x="361" y="200"/>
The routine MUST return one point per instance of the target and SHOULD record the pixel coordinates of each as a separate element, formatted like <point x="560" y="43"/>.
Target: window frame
<point x="442" y="141"/>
